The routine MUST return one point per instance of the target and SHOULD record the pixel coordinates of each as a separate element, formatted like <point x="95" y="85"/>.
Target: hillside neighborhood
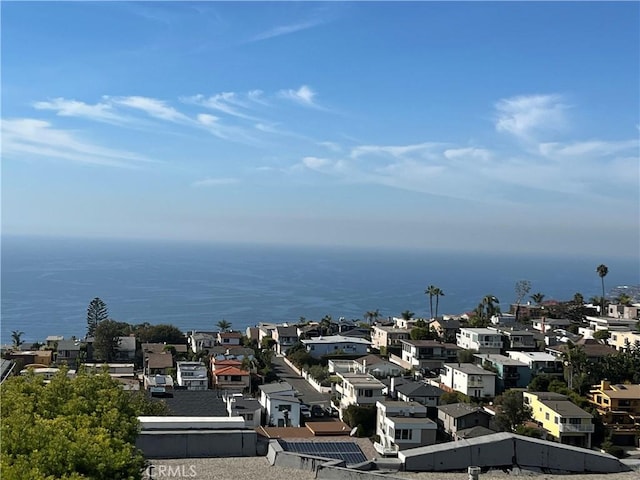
<point x="378" y="391"/>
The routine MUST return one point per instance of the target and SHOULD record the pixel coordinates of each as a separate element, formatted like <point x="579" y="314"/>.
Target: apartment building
<point x="562" y="419"/>
<point x="482" y="340"/>
<point x="358" y="389"/>
<point x="425" y="354"/>
<point x="402" y="425"/>
<point x="192" y="375"/>
<point x="619" y="407"/>
<point x="469" y="379"/>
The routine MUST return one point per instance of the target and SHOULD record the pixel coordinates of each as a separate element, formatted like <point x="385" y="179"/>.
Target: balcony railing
<point x="576" y="428"/>
<point x="381" y="449"/>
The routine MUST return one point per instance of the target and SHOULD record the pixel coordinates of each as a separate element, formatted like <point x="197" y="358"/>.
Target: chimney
<point x="604" y="385"/>
<point x="393" y="385"/>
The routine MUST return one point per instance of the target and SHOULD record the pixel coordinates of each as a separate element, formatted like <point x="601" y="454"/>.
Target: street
<point x="307" y="393"/>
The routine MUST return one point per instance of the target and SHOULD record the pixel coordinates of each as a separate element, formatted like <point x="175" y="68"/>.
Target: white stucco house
<point x="469" y="379"/>
<point x="336" y="344"/>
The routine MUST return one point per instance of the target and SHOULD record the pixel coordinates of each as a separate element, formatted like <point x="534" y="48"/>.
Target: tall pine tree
<point x="96" y="313"/>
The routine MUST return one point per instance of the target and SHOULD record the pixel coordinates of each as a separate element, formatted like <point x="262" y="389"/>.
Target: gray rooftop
<point x="469" y="368"/>
<point x="194" y="403"/>
<point x="419" y="389"/>
<point x="501" y="359"/>
<point x="276" y="387"/>
<point x="457" y="410"/>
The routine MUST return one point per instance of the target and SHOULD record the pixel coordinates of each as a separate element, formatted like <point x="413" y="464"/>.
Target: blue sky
<point x="503" y="126"/>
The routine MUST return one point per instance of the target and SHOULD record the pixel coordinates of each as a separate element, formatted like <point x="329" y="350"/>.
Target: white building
<point x="192" y="375"/>
<point x="469" y="379"/>
<point x="539" y="362"/>
<point x="483" y="340"/>
<point x="606" y="323"/>
<point x="549" y="324"/>
<point x="247" y="408"/>
<point x="280" y="404"/>
<point x="358" y="389"/>
<point x="382" y="336"/>
<point x="336" y="344"/>
<point x="418" y="354"/>
<point x="402" y="425"/>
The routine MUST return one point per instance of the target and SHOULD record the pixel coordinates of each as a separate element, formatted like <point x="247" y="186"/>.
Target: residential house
<point x="623" y="311"/>
<point x="624" y="341"/>
<point x="404" y="323"/>
<point x="619" y="407"/>
<point x="358" y="389"/>
<point x="594" y="349"/>
<point x="421" y="392"/>
<point x="285" y="337"/>
<point x="446" y="328"/>
<point x="192" y="375"/>
<point x="336" y="344"/>
<point x="252" y="333"/>
<point x="539" y="362"/>
<point x="382" y="336"/>
<point x="68" y="351"/>
<point x="229" y="338"/>
<point x="562" y="419"/>
<point x="180" y="349"/>
<point x="281" y="407"/>
<point x="232" y="352"/>
<point x="357" y="332"/>
<point x="201" y="341"/>
<point x="228" y="375"/>
<point x="46" y="373"/>
<point x="457" y="418"/>
<point x="247" y="408"/>
<point x="402" y="425"/>
<point x="158" y="363"/>
<point x="527" y="311"/>
<point x="158" y="383"/>
<point x="510" y="373"/>
<point x="265" y="330"/>
<point x="377" y="366"/>
<point x="482" y="340"/>
<point x="52" y="341"/>
<point x="425" y="354"/>
<point x="503" y="319"/>
<point x="126" y="349"/>
<point x="469" y="379"/>
<point x="30" y="357"/>
<point x="520" y="340"/>
<point x="611" y="324"/>
<point x="545" y="325"/>
<point x="115" y="370"/>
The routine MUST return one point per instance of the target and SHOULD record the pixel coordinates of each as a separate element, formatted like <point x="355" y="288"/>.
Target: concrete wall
<point x="197" y="444"/>
<point x="276" y="455"/>
<point x="341" y="473"/>
<point x="505" y="449"/>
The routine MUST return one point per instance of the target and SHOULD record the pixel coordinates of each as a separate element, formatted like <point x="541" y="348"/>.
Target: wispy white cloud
<point x="74" y="108"/>
<point x="213" y="182"/>
<point x="227" y="102"/>
<point x="285" y="30"/>
<point x="422" y="149"/>
<point x="32" y="137"/>
<point x="526" y="115"/>
<point x="153" y="107"/>
<point x="303" y="96"/>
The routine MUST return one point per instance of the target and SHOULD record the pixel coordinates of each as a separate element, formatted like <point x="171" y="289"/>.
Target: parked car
<point x="305" y="411"/>
<point x="331" y="412"/>
<point x="317" y="411"/>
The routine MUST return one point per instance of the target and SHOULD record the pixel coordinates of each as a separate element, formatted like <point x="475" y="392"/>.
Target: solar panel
<point x="349" y="452"/>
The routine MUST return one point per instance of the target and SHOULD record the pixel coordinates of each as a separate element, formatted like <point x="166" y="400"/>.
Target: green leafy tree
<point x="465" y="356"/>
<point x="106" y="340"/>
<point x="522" y="289"/>
<point x="96" y="312"/>
<point x="539" y="383"/>
<point x="16" y="336"/>
<point x="363" y="417"/>
<point x="71" y="429"/>
<point x="602" y="270"/>
<point x="422" y="333"/>
<point x="511" y="411"/>
<point x="601" y="334"/>
<point x="448" y="398"/>
<point x="623" y="299"/>
<point x="162" y="333"/>
<point x="223" y="325"/>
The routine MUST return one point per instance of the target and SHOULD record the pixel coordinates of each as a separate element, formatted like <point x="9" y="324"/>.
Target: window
<point x="403" y="434"/>
<point x="556" y="419"/>
<point x="282" y="408"/>
<point x="563" y="420"/>
<point x="368" y="393"/>
<point x="575" y="421"/>
<point x="225" y="340"/>
<point x="546" y="416"/>
<point x="249" y="417"/>
<point x="236" y="378"/>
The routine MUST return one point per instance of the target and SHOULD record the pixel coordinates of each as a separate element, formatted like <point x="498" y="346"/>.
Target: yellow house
<point x="563" y="420"/>
<point x="619" y="406"/>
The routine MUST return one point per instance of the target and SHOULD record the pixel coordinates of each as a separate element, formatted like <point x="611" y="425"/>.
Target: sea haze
<point x="47" y="283"/>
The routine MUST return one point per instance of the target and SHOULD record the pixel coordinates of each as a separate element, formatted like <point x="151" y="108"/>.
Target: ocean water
<point x="48" y="283"/>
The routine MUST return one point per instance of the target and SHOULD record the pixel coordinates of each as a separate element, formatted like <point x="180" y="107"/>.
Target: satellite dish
<point x="354" y="430"/>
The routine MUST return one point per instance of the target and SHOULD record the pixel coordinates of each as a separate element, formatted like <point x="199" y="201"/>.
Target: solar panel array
<point x="348" y="451"/>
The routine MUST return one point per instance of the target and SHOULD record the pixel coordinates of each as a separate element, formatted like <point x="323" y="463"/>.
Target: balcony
<point x="577" y="428"/>
<point x="386" y="451"/>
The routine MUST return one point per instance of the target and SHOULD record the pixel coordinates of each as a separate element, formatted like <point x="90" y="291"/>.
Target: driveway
<point x="306" y="392"/>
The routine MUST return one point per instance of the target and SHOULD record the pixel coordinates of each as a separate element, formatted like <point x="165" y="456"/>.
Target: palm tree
<point x="438" y="293"/>
<point x="223" y="325"/>
<point x="407" y="315"/>
<point x="17" y="338"/>
<point x="490" y="309"/>
<point x="431" y="291"/>
<point x="372" y="316"/>
<point x="623" y="299"/>
<point x="538" y="298"/>
<point x="602" y="272"/>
